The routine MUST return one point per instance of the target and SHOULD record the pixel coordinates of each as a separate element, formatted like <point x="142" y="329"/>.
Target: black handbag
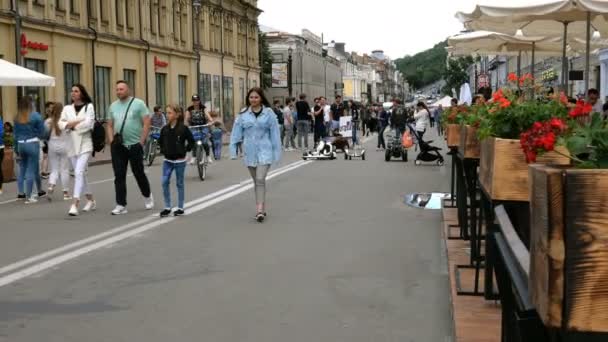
<point x="118" y="141"/>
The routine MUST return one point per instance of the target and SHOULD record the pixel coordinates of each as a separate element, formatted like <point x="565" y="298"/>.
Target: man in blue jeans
<point x="303" y="123"/>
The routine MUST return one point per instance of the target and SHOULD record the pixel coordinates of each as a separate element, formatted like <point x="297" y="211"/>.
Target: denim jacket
<point x="1" y="133"/>
<point x="33" y="129"/>
<point x="260" y="137"/>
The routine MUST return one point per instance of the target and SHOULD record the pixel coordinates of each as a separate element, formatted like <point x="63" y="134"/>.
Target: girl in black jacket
<point x="175" y="141"/>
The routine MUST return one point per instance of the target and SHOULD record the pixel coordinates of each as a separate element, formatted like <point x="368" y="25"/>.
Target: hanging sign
<point x="159" y="64"/>
<point x="28" y="44"/>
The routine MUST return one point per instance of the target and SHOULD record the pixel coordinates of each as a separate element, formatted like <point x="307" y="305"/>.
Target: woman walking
<point x="175" y="141"/>
<point x="78" y="119"/>
<point x="58" y="142"/>
<point x="422" y="117"/>
<point x="29" y="129"/>
<point x="258" y="129"/>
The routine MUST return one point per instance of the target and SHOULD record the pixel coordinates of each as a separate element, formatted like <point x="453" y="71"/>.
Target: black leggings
<point x="1" y="175"/>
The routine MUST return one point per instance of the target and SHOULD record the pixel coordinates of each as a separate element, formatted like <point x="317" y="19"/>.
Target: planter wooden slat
<point x="469" y="146"/>
<point x="452" y="135"/>
<point x="569" y="247"/>
<point x="8" y="165"/>
<point x="503" y="171"/>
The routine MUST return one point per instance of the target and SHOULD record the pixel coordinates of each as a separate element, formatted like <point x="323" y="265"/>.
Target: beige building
<point x="150" y="43"/>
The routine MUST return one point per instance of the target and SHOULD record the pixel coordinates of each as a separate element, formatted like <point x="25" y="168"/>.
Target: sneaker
<point x="90" y="206"/>
<point x="41" y="194"/>
<point x="179" y="212"/>
<point x="73" y="210"/>
<point x="44" y="175"/>
<point x="119" y="210"/>
<point x="149" y="203"/>
<point x="20" y="196"/>
<point x="165" y="213"/>
<point x="66" y="196"/>
<point x="260" y="217"/>
<point x="31" y="200"/>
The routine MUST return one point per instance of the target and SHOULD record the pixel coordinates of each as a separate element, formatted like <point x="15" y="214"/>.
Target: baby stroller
<point x="428" y="153"/>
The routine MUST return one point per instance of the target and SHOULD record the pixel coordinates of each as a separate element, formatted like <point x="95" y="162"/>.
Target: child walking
<point x="216" y="134"/>
<point x="175" y="141"/>
<point x="58" y="145"/>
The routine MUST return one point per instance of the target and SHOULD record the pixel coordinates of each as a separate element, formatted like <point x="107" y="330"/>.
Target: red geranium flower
<point x="582" y="109"/>
<point x="513" y="77"/>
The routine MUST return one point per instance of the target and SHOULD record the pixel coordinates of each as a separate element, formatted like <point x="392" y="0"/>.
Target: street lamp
<point x="197" y="45"/>
<point x="289" y="72"/>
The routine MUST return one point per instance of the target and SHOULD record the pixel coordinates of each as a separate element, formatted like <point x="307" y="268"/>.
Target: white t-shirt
<point x="326" y="113"/>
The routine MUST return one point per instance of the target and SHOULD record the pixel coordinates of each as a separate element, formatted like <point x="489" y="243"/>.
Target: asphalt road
<point x="340" y="258"/>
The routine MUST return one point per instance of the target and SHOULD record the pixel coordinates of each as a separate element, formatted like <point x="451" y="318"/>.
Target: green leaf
<point x="587" y="165"/>
<point x="577" y="145"/>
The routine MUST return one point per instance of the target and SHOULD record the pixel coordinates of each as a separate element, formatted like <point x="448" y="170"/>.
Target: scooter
<point x="358" y="150"/>
<point x="324" y="151"/>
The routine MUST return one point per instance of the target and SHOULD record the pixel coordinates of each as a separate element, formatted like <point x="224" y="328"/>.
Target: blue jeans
<point x="29" y="167"/>
<point x="168" y="168"/>
<point x="217" y="150"/>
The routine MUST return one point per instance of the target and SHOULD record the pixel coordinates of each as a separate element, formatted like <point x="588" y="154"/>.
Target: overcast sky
<point x="398" y="27"/>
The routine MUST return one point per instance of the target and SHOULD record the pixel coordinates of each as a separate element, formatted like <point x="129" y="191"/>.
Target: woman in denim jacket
<point x="257" y="128"/>
<point x="29" y="129"/>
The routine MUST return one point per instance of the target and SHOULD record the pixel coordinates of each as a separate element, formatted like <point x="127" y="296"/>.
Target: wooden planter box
<point x="8" y="165"/>
<point x="503" y="171"/>
<point x="452" y="135"/>
<point x="469" y="146"/>
<point x="568" y="250"/>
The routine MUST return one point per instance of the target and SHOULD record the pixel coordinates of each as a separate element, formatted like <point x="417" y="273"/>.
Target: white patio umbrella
<point x="14" y="75"/>
<point x="544" y="18"/>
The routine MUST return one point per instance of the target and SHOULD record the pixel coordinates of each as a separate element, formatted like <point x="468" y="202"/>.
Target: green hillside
<point x="425" y="67"/>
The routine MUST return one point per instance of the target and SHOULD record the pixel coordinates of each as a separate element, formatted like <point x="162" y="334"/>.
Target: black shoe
<point x="179" y="212"/>
<point x="260" y="217"/>
<point x="21" y="196"/>
<point x="41" y="194"/>
<point x="165" y="213"/>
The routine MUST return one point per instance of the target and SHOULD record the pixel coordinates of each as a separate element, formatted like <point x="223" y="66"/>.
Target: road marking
<point x="10" y="201"/>
<point x="125" y="231"/>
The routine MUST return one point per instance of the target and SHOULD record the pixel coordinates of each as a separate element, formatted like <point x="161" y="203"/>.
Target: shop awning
<point x="14" y="75"/>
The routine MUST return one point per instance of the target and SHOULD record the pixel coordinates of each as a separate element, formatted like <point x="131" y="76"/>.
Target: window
<point x="71" y="76"/>
<point x="74" y="8"/>
<point x="128" y="4"/>
<point x="93" y="10"/>
<point x="242" y="93"/>
<point x="182" y="82"/>
<point x="204" y="90"/>
<point x="228" y="99"/>
<point x="59" y="5"/>
<point x="176" y="20"/>
<point x="37" y="93"/>
<point x="119" y="12"/>
<point x="161" y="89"/>
<point x="162" y="17"/>
<point x="129" y="76"/>
<point x="103" y="90"/>
<point x="104" y="11"/>
<point x="153" y="13"/>
<point x="216" y="93"/>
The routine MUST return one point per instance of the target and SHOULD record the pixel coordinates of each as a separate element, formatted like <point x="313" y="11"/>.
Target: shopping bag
<point x="406" y="140"/>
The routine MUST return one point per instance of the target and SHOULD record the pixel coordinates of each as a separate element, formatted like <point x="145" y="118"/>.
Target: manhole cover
<point x="429" y="200"/>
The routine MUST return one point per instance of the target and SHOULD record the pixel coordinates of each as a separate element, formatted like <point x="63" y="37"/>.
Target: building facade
<point x="152" y="44"/>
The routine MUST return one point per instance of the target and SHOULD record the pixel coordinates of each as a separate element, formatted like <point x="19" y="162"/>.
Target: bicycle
<point x="201" y="136"/>
<point x="152" y="145"/>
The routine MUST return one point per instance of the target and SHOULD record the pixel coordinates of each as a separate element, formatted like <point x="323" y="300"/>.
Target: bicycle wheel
<point x="151" y="152"/>
<point x="201" y="162"/>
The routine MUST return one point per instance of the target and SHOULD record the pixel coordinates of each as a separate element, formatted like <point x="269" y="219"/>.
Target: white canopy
<point x="444" y="102"/>
<point x="14" y="75"/>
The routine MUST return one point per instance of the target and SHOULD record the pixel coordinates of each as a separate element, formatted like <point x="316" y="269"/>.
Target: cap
<point x="195" y="98"/>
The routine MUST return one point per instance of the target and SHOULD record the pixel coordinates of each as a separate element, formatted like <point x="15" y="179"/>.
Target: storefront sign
<point x="279" y="75"/>
<point x="346" y="126"/>
<point x="159" y="64"/>
<point x="28" y="44"/>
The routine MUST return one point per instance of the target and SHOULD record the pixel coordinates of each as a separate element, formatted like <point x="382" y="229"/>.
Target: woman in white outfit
<point x="423" y="118"/>
<point x="79" y="118"/>
<point x="59" y="141"/>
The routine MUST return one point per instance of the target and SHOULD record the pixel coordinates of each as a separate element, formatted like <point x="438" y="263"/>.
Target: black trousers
<point x="319" y="131"/>
<point x="121" y="157"/>
<point x="1" y="175"/>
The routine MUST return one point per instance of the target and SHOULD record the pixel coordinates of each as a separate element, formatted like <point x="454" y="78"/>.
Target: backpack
<point x="280" y="117"/>
<point x="98" y="135"/>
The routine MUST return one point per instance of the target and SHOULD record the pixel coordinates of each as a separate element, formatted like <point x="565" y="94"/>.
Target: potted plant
<point x="569" y="222"/>
<point x="452" y="119"/>
<point x="503" y="171"/>
<point x="469" y="146"/>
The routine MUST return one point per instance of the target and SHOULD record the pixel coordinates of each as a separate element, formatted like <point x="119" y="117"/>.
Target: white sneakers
<point x="119" y="210"/>
<point x="90" y="206"/>
<point x="31" y="200"/>
<point x="73" y="210"/>
<point x="148" y="204"/>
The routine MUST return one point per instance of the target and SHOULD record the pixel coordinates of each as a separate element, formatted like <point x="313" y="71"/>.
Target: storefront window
<point x="182" y="81"/>
<point x="71" y="76"/>
<point x="228" y="99"/>
<point x="129" y="77"/>
<point x="37" y="93"/>
<point x="204" y="90"/>
<point x="216" y="93"/>
<point x="161" y="89"/>
<point x="103" y="95"/>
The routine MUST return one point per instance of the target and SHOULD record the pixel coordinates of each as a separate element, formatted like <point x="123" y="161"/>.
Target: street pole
<point x="197" y="44"/>
<point x="289" y="72"/>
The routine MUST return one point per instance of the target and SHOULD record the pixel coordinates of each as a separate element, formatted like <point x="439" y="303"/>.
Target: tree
<point x="456" y="73"/>
<point x="425" y="67"/>
<point x="265" y="61"/>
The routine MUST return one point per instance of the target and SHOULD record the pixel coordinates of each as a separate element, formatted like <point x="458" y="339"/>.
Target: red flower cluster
<point x="526" y="78"/>
<point x="582" y="109"/>
<point x="512" y="77"/>
<point x="499" y="97"/>
<point x="541" y="138"/>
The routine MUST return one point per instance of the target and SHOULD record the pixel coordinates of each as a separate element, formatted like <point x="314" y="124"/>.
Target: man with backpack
<point x="276" y="107"/>
<point x="128" y="129"/>
<point x="398" y="118"/>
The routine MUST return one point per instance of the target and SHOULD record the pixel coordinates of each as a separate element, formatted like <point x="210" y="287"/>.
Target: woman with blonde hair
<point x="78" y="119"/>
<point x="58" y="142"/>
<point x="29" y="129"/>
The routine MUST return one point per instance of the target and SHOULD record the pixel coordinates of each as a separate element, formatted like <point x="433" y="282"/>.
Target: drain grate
<point x="429" y="200"/>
